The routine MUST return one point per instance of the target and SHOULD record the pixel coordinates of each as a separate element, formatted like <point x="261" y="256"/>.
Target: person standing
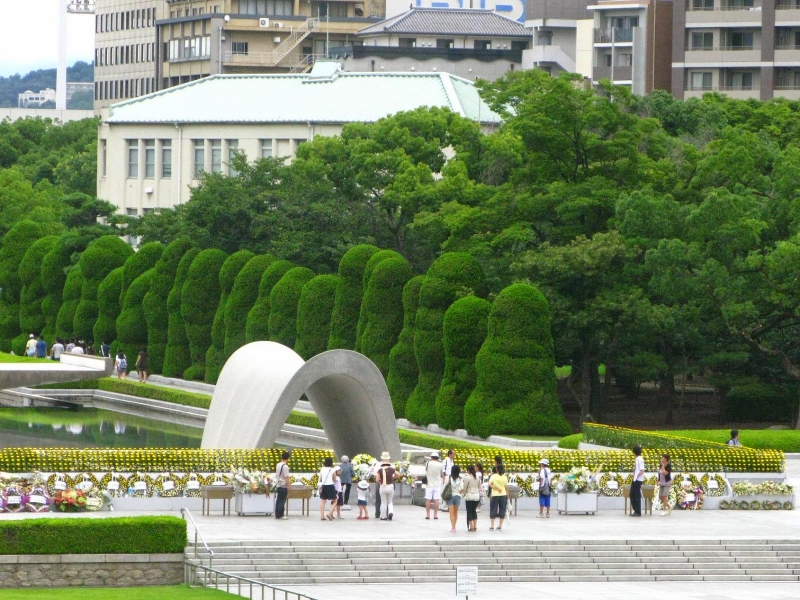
<point x="385" y="479"/>
<point x="56" y="349"/>
<point x="664" y="485"/>
<point x="142" y="363"/>
<point x="105" y="350"/>
<point x="326" y="489"/>
<point x="363" y="499"/>
<point x="336" y="505"/>
<point x="447" y="465"/>
<point x="281" y="486"/>
<point x="481" y="479"/>
<point x="638" y="480"/>
<point x="456" y="491"/>
<point x="472" y="497"/>
<point x="41" y="348"/>
<point x="347" y="474"/>
<point x="734" y="441"/>
<point x="498" y="484"/>
<point x="121" y="365"/>
<point x="30" y="347"/>
<point x="544" y="488"/>
<point x="373" y="473"/>
<point x="433" y="485"/>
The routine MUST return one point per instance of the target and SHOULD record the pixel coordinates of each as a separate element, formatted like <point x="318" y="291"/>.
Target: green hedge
<point x="215" y="355"/>
<point x="465" y="328"/>
<point x="349" y="293"/>
<point x="369" y="268"/>
<point x="314" y="315"/>
<point x="15" y="244"/>
<point x="156" y="301"/>
<point x="258" y="317"/>
<point x="759" y="402"/>
<point x="143" y="260"/>
<point x="115" y="535"/>
<point x="131" y="323"/>
<point x="31" y="317"/>
<point x="109" y="306"/>
<point x="283" y="302"/>
<point x="516" y="389"/>
<point x="54" y="275"/>
<point x="620" y="437"/>
<point x="241" y="300"/>
<point x="199" y="301"/>
<point x="70" y="298"/>
<point x="452" y="275"/>
<point x="176" y="355"/>
<point x="403" y="370"/>
<point x="131" y="388"/>
<point x="570" y="441"/>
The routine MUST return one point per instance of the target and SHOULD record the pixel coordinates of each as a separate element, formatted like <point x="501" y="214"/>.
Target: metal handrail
<point x="287" y="594"/>
<point x="185" y="513"/>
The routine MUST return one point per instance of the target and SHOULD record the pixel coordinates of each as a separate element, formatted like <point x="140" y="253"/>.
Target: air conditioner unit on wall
<point x="263" y="22"/>
<point x="277" y="25"/>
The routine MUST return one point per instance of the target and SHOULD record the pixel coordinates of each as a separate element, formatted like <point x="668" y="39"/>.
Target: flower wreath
<point x="361" y="459"/>
<point x="38" y="500"/>
<point x="788" y="506"/>
<point x="121" y="481"/>
<point x="70" y="500"/>
<point x="685" y="503"/>
<point x="85" y="482"/>
<point x="611" y="491"/>
<point x="313" y="481"/>
<point x="691" y="478"/>
<point x="170" y="485"/>
<point x="529" y="485"/>
<point x="192" y="483"/>
<point x="95" y="499"/>
<point x="721" y="486"/>
<point x="14" y="499"/>
<point x="60" y="477"/>
<point x="652" y="480"/>
<point x="145" y="491"/>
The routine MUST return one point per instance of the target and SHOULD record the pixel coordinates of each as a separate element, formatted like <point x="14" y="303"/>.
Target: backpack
<point x="544" y="486"/>
<point x="123" y="364"/>
<point x="447" y="492"/>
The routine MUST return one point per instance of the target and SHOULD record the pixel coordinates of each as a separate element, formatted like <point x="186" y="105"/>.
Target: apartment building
<point x="124" y="55"/>
<point x="742" y="48"/>
<point x="562" y="36"/>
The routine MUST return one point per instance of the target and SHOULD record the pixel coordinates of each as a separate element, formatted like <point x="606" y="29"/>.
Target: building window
<point x="624" y="59"/>
<point x="740" y="40"/>
<point x="133" y="159"/>
<point x="266" y="148"/>
<point x="702" y="40"/>
<point x="701" y="81"/>
<point x="103" y="154"/>
<point x="544" y="38"/>
<point x="408" y="42"/>
<point x="607" y="59"/>
<point x="280" y="8"/>
<point x="216" y="156"/>
<point x="132" y="212"/>
<point x="737" y="4"/>
<point x="149" y="159"/>
<point x="233" y="148"/>
<point x="329" y="9"/>
<point x="740" y="80"/>
<point x="444" y="44"/>
<point x="239" y="47"/>
<point x="166" y="159"/>
<point x="487" y="44"/>
<point x="199" y="158"/>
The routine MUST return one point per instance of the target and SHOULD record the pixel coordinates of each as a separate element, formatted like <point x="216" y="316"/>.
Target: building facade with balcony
<point x="562" y="36"/>
<point x="469" y="43"/>
<point x="742" y="48"/>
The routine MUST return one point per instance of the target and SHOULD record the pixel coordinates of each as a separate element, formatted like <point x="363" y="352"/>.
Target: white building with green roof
<point x="151" y="149"/>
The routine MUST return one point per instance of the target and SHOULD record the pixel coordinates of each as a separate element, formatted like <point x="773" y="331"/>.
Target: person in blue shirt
<point x="41" y="347"/>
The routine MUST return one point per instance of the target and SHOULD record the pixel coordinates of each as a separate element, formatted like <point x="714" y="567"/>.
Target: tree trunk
<point x="595" y="392"/>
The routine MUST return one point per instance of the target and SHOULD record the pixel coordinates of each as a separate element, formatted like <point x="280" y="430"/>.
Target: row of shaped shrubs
<point x="449" y="355"/>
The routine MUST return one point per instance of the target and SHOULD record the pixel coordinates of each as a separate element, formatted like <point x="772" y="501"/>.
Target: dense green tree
<point x="15" y="244"/>
<point x="451" y="276"/>
<point x="465" y="328"/>
<point x="283" y="300"/>
<point x="54" y="275"/>
<point x="215" y="356"/>
<point x="349" y="294"/>
<point x="138" y="263"/>
<point x="156" y="300"/>
<point x="199" y="300"/>
<point x="516" y="385"/>
<point x="70" y="298"/>
<point x="258" y="317"/>
<point x="403" y="371"/>
<point x="131" y="322"/>
<point x="31" y="317"/>
<point x="314" y="315"/>
<point x="241" y="301"/>
<point x="20" y="200"/>
<point x="382" y="310"/>
<point x="363" y="317"/>
<point x="108" y="308"/>
<point x="177" y="357"/>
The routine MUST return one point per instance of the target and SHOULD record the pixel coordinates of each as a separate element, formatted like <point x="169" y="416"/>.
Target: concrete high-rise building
<point x="562" y="36"/>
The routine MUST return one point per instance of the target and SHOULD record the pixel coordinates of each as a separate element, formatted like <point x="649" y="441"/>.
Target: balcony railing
<point x="787" y="87"/>
<point x="787" y="5"/>
<point x="787" y="46"/>
<point x="737" y="48"/>
<point x="721" y="88"/>
<point x="725" y="7"/>
<point x="690" y="48"/>
<point x="613" y="34"/>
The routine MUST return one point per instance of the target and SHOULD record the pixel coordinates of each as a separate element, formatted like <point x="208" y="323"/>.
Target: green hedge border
<point x="620" y="437"/>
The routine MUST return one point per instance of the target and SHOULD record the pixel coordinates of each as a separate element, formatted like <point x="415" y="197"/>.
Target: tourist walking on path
<point x="281" y="486"/>
<point x="56" y="349"/>
<point x="544" y="488"/>
<point x="385" y="480"/>
<point x="472" y="497"/>
<point x="664" y="485"/>
<point x="433" y="485"/>
<point x="638" y="480"/>
<point x="498" y="484"/>
<point x="41" y="348"/>
<point x="347" y="474"/>
<point x="326" y="489"/>
<point x="142" y="363"/>
<point x="121" y="365"/>
<point x="105" y="350"/>
<point x="456" y="491"/>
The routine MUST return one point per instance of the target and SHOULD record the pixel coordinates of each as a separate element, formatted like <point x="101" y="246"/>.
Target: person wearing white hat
<point x="363" y="500"/>
<point x="433" y="485"/>
<point x="30" y="347"/>
<point x="385" y="479"/>
<point x="544" y="488"/>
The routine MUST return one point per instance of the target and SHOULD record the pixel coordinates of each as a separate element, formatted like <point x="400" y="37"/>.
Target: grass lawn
<point x="535" y="438"/>
<point x="13" y="358"/>
<point x="173" y="592"/>
<point x="787" y="440"/>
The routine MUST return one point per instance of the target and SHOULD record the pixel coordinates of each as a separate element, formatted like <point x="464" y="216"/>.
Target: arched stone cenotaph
<point x="262" y="381"/>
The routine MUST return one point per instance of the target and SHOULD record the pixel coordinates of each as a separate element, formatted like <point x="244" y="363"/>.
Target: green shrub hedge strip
<point x="620" y="437"/>
<point x="119" y="535"/>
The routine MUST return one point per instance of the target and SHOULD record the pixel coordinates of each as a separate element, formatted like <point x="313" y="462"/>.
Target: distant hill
<point x="34" y="81"/>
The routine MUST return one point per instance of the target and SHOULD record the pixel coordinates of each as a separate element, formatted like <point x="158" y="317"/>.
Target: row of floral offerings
<point x="21" y="494"/>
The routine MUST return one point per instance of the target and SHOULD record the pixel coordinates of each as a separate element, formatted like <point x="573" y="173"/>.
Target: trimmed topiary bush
<point x="465" y="327"/>
<point x="176" y="355"/>
<point x="363" y="318"/>
<point x="131" y="322"/>
<point x="53" y="273"/>
<point x="143" y="260"/>
<point x="108" y="308"/>
<point x="241" y="300"/>
<point x="349" y="292"/>
<point x="403" y="370"/>
<point x="516" y="389"/>
<point x="283" y="301"/>
<point x="314" y="315"/>
<point x="31" y="317"/>
<point x="101" y="257"/>
<point x="258" y="317"/>
<point x="382" y="310"/>
<point x="199" y="301"/>
<point x="452" y="275"/>
<point x="156" y="300"/>
<point x="215" y="355"/>
<point x="15" y="244"/>
<point x="71" y="296"/>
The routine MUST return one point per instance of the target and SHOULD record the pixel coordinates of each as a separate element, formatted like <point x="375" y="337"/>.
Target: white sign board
<point x="466" y="581"/>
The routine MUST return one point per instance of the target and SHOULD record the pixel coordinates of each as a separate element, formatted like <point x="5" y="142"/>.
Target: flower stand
<point x="570" y="503"/>
<point x="252" y="504"/>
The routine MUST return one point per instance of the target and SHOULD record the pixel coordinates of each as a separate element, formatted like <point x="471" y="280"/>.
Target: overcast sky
<point x="29" y="36"/>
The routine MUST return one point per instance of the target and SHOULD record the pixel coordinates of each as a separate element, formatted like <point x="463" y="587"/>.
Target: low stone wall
<point x="90" y="570"/>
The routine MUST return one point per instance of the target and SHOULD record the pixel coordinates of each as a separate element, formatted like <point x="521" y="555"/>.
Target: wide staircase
<point x="309" y="563"/>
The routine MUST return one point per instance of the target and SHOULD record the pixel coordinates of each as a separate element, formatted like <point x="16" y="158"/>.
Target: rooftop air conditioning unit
<point x="263" y="22"/>
<point x="277" y="25"/>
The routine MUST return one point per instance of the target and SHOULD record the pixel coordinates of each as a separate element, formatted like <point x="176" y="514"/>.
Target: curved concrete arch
<point x="262" y="382"/>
